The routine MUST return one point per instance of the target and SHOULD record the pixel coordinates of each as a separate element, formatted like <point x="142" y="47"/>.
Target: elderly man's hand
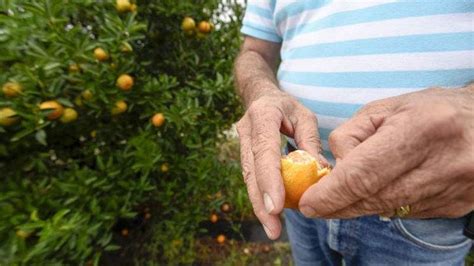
<point x="260" y="143"/>
<point x="416" y="149"/>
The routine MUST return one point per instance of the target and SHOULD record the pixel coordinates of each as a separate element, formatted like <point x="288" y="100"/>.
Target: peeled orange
<point x="299" y="171"/>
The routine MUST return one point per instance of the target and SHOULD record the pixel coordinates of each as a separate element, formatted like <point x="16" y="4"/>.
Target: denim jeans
<point x="372" y="240"/>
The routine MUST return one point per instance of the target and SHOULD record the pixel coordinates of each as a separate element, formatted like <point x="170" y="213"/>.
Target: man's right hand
<point x="260" y="142"/>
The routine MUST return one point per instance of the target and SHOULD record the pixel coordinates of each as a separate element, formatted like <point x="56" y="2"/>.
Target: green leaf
<point x="41" y="137"/>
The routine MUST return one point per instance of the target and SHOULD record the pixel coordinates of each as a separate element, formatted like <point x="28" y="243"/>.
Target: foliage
<point x="65" y="185"/>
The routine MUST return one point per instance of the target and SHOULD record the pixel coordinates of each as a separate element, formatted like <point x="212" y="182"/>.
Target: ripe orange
<point x="225" y="207"/>
<point x="87" y="95"/>
<point x="204" y="27"/>
<point x="22" y="234"/>
<point x="125" y="82"/>
<point x="120" y="107"/>
<point x="12" y="89"/>
<point x="68" y="116"/>
<point x="124" y="232"/>
<point x="299" y="170"/>
<point x="188" y="24"/>
<point x="8" y="117"/>
<point x="158" y="120"/>
<point x="220" y="239"/>
<point x="74" y="68"/>
<point x="55" y="108"/>
<point x="213" y="218"/>
<point x="100" y="54"/>
<point x="123" y="5"/>
<point x="164" y="168"/>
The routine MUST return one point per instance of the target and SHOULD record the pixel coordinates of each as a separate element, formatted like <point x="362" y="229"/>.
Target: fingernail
<point x="269" y="206"/>
<point x="307" y="211"/>
<point x="267" y="231"/>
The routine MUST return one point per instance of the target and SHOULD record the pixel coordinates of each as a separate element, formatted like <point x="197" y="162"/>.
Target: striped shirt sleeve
<point x="258" y="21"/>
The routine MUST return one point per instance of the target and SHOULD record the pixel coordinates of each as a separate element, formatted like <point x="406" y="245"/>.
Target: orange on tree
<point x="147" y="216"/>
<point x="164" y="168"/>
<point x="188" y="24"/>
<point x="158" y="120"/>
<point x="133" y="8"/>
<point x="220" y="239"/>
<point x="100" y="54"/>
<point x="299" y="171"/>
<point x="74" y="68"/>
<point x="214" y="218"/>
<point x="123" y="5"/>
<point x="119" y="107"/>
<point x="22" y="234"/>
<point x="125" y="82"/>
<point x="87" y="95"/>
<point x="8" y="117"/>
<point x="78" y="101"/>
<point x="55" y="109"/>
<point x="12" y="89"/>
<point x="68" y="116"/>
<point x="124" y="232"/>
<point x="225" y="207"/>
<point x="204" y="27"/>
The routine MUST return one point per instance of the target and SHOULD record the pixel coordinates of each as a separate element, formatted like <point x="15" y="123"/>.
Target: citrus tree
<point x="107" y="107"/>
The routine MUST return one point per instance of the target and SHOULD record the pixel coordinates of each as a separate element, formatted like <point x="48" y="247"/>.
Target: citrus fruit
<point x="22" y="234"/>
<point x="158" y="120"/>
<point x="87" y="95"/>
<point x="213" y="218"/>
<point x="133" y="8"/>
<point x="78" y="101"/>
<point x="55" y="108"/>
<point x="123" y="5"/>
<point x="68" y="116"/>
<point x="100" y="54"/>
<point x="147" y="216"/>
<point x="204" y="27"/>
<point x="225" y="207"/>
<point x="124" y="232"/>
<point x="220" y="239"/>
<point x="8" y="117"/>
<point x="12" y="89"/>
<point x="120" y="107"/>
<point x="164" y="168"/>
<point x="125" y="82"/>
<point x="299" y="171"/>
<point x="188" y="24"/>
<point x="74" y="68"/>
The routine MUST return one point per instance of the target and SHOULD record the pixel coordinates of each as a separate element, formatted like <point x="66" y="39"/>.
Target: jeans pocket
<point x="435" y="234"/>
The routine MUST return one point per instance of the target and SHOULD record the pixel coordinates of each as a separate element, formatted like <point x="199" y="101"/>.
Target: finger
<point x="266" y="141"/>
<point x="367" y="168"/>
<point x="306" y="133"/>
<point x="406" y="190"/>
<point x="350" y="134"/>
<point x="271" y="223"/>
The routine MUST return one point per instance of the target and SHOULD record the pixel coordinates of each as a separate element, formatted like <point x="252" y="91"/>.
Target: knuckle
<point x="360" y="182"/>
<point x="334" y="137"/>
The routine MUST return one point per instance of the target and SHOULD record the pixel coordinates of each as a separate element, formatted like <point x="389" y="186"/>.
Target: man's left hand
<point x="416" y="149"/>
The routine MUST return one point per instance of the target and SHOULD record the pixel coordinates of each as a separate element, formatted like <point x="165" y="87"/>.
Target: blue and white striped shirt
<point x="339" y="55"/>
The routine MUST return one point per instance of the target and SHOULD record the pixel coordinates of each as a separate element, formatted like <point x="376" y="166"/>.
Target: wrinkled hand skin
<point x="259" y="131"/>
<point x="415" y="149"/>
